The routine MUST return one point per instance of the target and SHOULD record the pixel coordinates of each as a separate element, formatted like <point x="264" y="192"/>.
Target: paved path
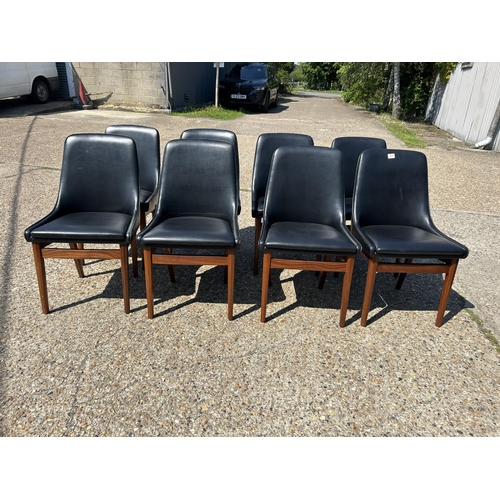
<point x="89" y="369"/>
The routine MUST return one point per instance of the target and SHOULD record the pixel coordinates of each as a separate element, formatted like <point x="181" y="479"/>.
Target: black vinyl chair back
<point x="147" y="141"/>
<point x="198" y="178"/>
<point x="266" y="145"/>
<point x="351" y="148"/>
<point x="392" y="189"/>
<point x="305" y="185"/>
<point x="304" y="214"/>
<point x="214" y="134"/>
<point x="392" y="220"/>
<point x="97" y="203"/>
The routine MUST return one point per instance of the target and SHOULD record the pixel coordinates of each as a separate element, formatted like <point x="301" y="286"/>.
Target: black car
<point x="250" y="84"/>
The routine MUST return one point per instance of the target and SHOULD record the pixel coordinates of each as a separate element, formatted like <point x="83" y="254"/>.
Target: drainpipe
<point x="167" y="90"/>
<point x="491" y="131"/>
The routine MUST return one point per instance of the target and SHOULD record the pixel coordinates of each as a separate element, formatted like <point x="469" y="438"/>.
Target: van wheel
<point x="40" y="92"/>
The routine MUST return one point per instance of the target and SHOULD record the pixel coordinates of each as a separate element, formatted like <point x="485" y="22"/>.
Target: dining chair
<point x="147" y="141"/>
<point x="351" y="148"/>
<point x="304" y="214"/>
<point x="216" y="134"/>
<point x="98" y="203"/>
<point x="392" y="220"/>
<point x="266" y="145"/>
<point x="197" y="210"/>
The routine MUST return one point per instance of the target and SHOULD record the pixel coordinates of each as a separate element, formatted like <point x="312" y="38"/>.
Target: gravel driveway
<point x="88" y="369"/>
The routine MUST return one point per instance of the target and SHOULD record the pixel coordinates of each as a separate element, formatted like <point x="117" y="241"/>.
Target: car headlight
<point x="259" y="88"/>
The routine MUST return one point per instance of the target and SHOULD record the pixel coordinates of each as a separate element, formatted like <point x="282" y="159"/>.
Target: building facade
<point x="468" y="106"/>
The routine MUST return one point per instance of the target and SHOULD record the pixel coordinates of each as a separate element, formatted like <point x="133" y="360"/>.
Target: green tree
<point x="406" y="95"/>
<point x="319" y="75"/>
<point x="283" y="71"/>
<point x="363" y="82"/>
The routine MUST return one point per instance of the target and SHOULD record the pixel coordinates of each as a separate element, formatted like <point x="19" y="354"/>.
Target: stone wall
<point x="137" y="84"/>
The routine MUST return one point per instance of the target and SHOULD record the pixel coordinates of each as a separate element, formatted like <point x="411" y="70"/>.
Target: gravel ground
<point x="88" y="369"/>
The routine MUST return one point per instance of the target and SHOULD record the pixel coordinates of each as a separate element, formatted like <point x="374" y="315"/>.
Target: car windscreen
<point x="249" y="72"/>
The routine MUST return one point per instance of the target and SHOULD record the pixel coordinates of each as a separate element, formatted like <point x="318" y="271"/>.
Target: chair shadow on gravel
<point x="420" y="292"/>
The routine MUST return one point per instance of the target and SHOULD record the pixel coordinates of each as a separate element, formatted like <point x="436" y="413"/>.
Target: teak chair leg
<point x="133" y="246"/>
<point x="171" y="271"/>
<point x="148" y="271"/>
<point x="370" y="282"/>
<point x="266" y="271"/>
<point x="322" y="277"/>
<point x="41" y="277"/>
<point x="230" y="283"/>
<point x="78" y="262"/>
<point x="402" y="276"/>
<point x="445" y="293"/>
<point x="258" y="229"/>
<point x="346" y="289"/>
<point x="142" y="220"/>
<point x="319" y="257"/>
<point x="125" y="281"/>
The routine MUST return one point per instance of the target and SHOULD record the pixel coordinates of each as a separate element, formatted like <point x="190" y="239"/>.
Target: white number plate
<point x="238" y="96"/>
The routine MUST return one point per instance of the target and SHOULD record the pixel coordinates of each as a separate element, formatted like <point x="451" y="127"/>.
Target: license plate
<point x="238" y="96"/>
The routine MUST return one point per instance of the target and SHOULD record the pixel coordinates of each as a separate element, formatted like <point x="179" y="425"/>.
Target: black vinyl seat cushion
<point x="308" y="237"/>
<point x="189" y="232"/>
<point x="85" y="227"/>
<point x="409" y="242"/>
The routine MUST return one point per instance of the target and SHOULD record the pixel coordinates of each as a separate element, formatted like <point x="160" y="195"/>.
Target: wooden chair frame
<point x="343" y="264"/>
<point x="150" y="258"/>
<point x="41" y="252"/>
<point x="400" y="270"/>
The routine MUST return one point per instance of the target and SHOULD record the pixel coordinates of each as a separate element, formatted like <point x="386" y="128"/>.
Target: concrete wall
<point x="137" y="84"/>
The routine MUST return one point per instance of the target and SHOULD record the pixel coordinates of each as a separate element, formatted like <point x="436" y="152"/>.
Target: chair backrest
<point x="215" y="134"/>
<point x="147" y="140"/>
<point x="99" y="173"/>
<point x="198" y="178"/>
<point x="305" y="185"/>
<point x="391" y="187"/>
<point x="266" y="145"/>
<point x="351" y="148"/>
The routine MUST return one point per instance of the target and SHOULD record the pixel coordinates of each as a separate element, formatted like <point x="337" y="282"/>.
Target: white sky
<point x="226" y="31"/>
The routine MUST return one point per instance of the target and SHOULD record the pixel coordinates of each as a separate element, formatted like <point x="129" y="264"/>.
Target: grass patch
<point x="486" y="332"/>
<point x="402" y="131"/>
<point x="218" y="113"/>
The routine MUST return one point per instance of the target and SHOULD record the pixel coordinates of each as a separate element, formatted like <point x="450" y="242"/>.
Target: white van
<point x="35" y="79"/>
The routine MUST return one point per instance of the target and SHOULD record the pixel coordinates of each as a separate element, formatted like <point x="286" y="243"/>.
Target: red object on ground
<point x="83" y="97"/>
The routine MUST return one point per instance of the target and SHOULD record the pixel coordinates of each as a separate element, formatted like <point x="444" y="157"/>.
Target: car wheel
<point x="275" y="103"/>
<point x="264" y="107"/>
<point x="40" y="92"/>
